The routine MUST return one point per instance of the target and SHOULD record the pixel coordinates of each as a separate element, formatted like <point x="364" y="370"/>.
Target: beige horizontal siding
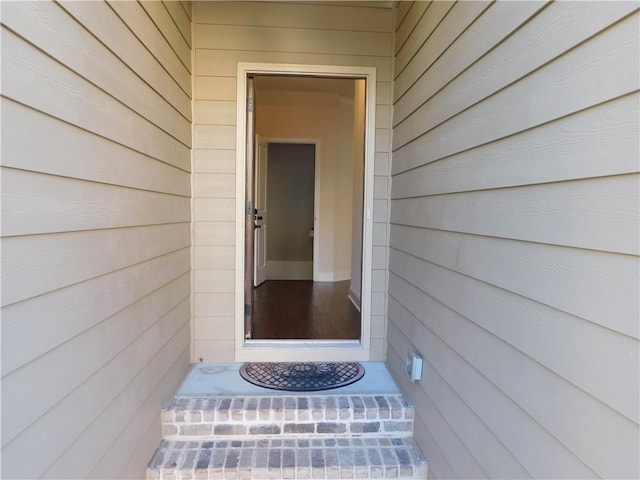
<point x="404" y="28"/>
<point x="293" y="40"/>
<point x="181" y="17"/>
<point x="598" y="286"/>
<point x="87" y="56"/>
<point x="64" y="154"/>
<point x="187" y="6"/>
<point x="80" y="307"/>
<point x="64" y="204"/>
<point x="465" y="34"/>
<point x="421" y="30"/>
<point x="219" y="112"/>
<point x="176" y="39"/>
<point x="564" y="149"/>
<point x="573" y="339"/>
<point x="530" y="102"/>
<point x="96" y="138"/>
<point x="145" y="417"/>
<point x="581" y="214"/>
<point x="215" y="161"/>
<point x="80" y="379"/>
<point x="319" y="16"/>
<point x="31" y="264"/>
<point x="70" y="97"/>
<point x="223" y="63"/>
<point x="172" y="55"/>
<point x="316" y="33"/>
<point x="115" y="35"/>
<point x="514" y="236"/>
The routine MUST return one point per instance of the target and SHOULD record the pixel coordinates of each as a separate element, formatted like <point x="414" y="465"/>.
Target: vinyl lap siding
<point x="271" y="32"/>
<point x="514" y="235"/>
<point x="96" y="138"/>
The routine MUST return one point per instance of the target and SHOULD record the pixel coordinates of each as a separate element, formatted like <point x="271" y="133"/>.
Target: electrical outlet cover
<point x="414" y="366"/>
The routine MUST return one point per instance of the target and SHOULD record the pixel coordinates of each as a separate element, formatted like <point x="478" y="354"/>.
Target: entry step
<point x="189" y="418"/>
<point x="323" y="458"/>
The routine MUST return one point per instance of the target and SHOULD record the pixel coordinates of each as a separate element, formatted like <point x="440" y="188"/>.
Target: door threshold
<point x="303" y="343"/>
<point x="302" y="351"/>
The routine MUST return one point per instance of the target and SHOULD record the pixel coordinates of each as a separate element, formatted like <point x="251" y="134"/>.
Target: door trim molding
<point x="249" y="350"/>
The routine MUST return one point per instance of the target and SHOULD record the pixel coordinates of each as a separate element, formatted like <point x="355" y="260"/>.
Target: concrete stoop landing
<point x="314" y="436"/>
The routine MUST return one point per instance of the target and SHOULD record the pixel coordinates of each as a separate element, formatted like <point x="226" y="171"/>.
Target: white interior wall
<point x="514" y="236"/>
<point x="344" y="172"/>
<point x="96" y="138"/>
<point x="324" y="116"/>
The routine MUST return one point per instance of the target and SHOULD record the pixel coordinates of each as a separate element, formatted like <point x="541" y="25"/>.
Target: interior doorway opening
<point x="285" y="215"/>
<point x="331" y="111"/>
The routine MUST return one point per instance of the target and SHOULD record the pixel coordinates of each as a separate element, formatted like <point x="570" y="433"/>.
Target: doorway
<point x="337" y="271"/>
<point x="289" y="303"/>
<point x="285" y="219"/>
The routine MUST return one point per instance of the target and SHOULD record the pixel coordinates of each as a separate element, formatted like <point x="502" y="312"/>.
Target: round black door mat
<point x="302" y="376"/>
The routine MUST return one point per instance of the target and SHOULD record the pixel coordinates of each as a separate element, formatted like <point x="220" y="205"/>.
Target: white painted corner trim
<point x="255" y="350"/>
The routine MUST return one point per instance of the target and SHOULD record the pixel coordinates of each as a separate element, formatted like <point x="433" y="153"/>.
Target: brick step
<point x="211" y="418"/>
<point x="362" y="458"/>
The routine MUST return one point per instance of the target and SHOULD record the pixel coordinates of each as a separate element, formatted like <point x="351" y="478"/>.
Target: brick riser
<point x="361" y="436"/>
<point x="239" y="417"/>
<point x="358" y="458"/>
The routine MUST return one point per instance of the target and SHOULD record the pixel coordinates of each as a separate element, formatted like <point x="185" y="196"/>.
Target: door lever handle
<point x="255" y="225"/>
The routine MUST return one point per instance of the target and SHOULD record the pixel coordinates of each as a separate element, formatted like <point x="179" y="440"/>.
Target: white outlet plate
<point x="414" y="366"/>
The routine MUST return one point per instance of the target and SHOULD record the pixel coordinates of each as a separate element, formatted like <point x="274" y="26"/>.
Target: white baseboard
<point x="278" y="270"/>
<point x="355" y="298"/>
<point x="334" y="276"/>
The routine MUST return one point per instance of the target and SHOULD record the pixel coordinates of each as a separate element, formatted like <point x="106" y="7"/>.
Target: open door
<point x="260" y="211"/>
<point x="248" y="252"/>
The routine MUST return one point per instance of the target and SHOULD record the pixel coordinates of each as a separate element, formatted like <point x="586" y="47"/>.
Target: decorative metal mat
<point x="302" y="376"/>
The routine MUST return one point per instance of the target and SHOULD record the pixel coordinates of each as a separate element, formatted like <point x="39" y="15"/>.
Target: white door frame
<point x="310" y="350"/>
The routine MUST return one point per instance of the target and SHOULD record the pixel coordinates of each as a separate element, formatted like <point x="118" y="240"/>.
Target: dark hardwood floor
<point x="302" y="309"/>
